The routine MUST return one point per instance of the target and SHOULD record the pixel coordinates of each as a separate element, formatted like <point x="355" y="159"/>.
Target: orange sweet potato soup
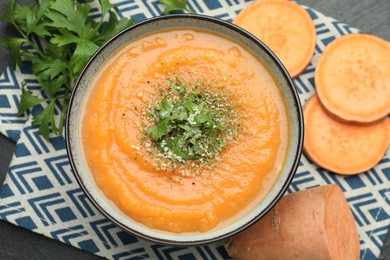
<point x="225" y="109"/>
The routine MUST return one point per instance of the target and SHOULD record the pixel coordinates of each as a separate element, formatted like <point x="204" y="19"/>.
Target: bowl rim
<point x="286" y="182"/>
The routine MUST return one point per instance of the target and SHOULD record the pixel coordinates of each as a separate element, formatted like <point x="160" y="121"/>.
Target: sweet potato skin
<point x="301" y="226"/>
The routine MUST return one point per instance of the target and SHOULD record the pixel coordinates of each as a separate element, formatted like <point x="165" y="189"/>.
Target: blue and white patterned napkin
<point x="41" y="194"/>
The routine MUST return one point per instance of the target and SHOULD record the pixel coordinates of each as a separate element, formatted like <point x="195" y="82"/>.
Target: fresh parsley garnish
<point x="175" y="5"/>
<point x="58" y="37"/>
<point x="191" y="122"/>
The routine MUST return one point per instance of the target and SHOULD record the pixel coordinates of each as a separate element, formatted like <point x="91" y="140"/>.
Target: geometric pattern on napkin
<point x="41" y="194"/>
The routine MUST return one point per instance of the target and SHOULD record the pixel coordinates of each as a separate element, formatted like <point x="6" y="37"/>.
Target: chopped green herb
<point x="159" y="130"/>
<point x="192" y="123"/>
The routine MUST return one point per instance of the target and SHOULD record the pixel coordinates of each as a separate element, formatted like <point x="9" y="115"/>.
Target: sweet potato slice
<point x="341" y="147"/>
<point x="283" y="26"/>
<point x="352" y="78"/>
<point x="310" y="224"/>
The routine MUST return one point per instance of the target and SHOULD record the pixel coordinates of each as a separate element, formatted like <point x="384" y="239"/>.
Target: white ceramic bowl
<point x="80" y="94"/>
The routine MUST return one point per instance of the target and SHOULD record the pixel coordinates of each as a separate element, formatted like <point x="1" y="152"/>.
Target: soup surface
<point x="244" y="171"/>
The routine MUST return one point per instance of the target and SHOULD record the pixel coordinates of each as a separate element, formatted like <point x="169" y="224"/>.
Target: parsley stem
<point x="63" y="112"/>
<point x="36" y="48"/>
<point x="57" y="97"/>
<point x="32" y="43"/>
<point x="69" y="85"/>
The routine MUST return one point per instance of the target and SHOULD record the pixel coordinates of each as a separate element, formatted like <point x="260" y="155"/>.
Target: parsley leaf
<point x="28" y="100"/>
<point x="182" y="154"/>
<point x="166" y="108"/>
<point x="52" y="86"/>
<point x="111" y="27"/>
<point x="69" y="37"/>
<point x="14" y="45"/>
<point x="84" y="50"/>
<point x="175" y="5"/>
<point x="67" y="14"/>
<point x="105" y="6"/>
<point x="45" y="119"/>
<point x="202" y="118"/>
<point x="159" y="130"/>
<point x="49" y="67"/>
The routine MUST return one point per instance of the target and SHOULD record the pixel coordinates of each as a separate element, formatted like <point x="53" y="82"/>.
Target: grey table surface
<point x="370" y="16"/>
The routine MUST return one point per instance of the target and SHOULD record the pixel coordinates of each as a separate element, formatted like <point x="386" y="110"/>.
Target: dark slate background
<point x="370" y="16"/>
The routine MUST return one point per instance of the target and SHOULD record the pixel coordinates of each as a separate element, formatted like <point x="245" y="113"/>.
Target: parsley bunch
<point x="192" y="122"/>
<point x="58" y="37"/>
